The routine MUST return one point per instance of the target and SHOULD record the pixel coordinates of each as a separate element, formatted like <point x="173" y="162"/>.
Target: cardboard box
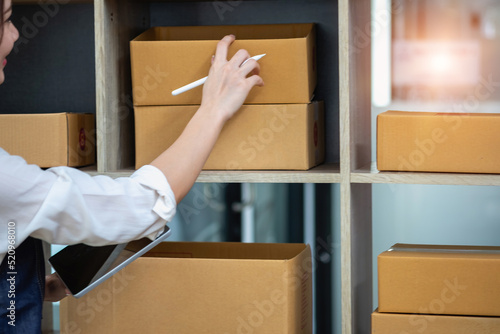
<point x="183" y="287"/>
<point x="50" y="140"/>
<point x="258" y="137"/>
<point x="166" y="58"/>
<point x="393" y="323"/>
<point x="438" y="142"/>
<point x="430" y="279"/>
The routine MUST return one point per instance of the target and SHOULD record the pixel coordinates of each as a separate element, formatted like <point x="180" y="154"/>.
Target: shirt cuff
<point x="151" y="177"/>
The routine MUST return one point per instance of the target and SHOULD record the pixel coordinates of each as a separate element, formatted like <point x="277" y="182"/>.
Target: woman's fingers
<point x="255" y="80"/>
<point x="223" y="47"/>
<point x="251" y="66"/>
<point x="239" y="58"/>
<point x="229" y="82"/>
<point x="246" y="65"/>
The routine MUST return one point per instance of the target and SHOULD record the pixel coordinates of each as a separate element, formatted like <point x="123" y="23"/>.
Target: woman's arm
<point x="66" y="206"/>
<point x="224" y="92"/>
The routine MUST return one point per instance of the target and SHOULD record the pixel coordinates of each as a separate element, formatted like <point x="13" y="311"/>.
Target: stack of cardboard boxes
<point x="277" y="128"/>
<point x="438" y="289"/>
<point x="186" y="287"/>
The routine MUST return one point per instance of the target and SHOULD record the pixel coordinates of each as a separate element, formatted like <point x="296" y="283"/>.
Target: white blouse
<point x="64" y="205"/>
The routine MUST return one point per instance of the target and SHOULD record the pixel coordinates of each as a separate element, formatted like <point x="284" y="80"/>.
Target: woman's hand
<point x="224" y="92"/>
<point x="227" y="85"/>
<point x="54" y="288"/>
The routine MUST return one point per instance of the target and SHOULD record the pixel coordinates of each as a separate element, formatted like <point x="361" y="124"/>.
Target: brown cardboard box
<point x="438" y="142"/>
<point x="429" y="279"/>
<point x="284" y="136"/>
<point x="393" y="323"/>
<point x="50" y="140"/>
<point x="225" y="288"/>
<point x="167" y="58"/>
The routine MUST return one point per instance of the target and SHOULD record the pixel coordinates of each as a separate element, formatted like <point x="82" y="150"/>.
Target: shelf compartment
<point x="51" y="67"/>
<point x="118" y="23"/>
<point x="370" y="174"/>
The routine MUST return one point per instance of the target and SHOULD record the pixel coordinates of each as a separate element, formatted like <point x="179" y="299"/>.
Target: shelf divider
<point x="116" y="23"/>
<point x="355" y="151"/>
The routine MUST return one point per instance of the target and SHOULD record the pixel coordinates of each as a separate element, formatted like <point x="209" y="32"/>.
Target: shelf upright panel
<point x="116" y="23"/>
<point x="355" y="151"/>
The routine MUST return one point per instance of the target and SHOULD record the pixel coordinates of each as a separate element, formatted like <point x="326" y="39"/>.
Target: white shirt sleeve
<point x="63" y="205"/>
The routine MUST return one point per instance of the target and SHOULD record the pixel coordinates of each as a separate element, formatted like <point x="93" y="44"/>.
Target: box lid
<point x="242" y="32"/>
<point x="452" y="251"/>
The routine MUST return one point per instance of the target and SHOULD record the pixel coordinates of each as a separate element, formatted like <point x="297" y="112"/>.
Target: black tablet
<point x="82" y="267"/>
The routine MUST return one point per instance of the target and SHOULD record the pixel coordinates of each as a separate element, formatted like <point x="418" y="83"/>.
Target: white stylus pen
<point x="202" y="81"/>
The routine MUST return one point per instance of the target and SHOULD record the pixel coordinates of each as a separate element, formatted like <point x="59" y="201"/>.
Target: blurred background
<point x="438" y="56"/>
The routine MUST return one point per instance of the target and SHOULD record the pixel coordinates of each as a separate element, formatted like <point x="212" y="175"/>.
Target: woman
<point x="65" y="206"/>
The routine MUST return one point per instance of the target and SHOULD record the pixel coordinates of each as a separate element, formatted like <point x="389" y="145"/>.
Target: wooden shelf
<point x="344" y="38"/>
<point x="370" y="174"/>
<point x="326" y="173"/>
<point x="343" y="83"/>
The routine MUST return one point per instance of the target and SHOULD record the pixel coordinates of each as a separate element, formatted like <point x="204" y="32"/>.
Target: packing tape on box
<point x="441" y="250"/>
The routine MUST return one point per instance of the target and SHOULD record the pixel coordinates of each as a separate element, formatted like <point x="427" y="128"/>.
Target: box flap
<point x="452" y="251"/>
<point x="242" y="32"/>
<point x="226" y="250"/>
<point x="399" y="113"/>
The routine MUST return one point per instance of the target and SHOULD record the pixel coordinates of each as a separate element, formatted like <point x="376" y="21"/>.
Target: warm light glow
<point x="441" y="62"/>
<point x="436" y="63"/>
